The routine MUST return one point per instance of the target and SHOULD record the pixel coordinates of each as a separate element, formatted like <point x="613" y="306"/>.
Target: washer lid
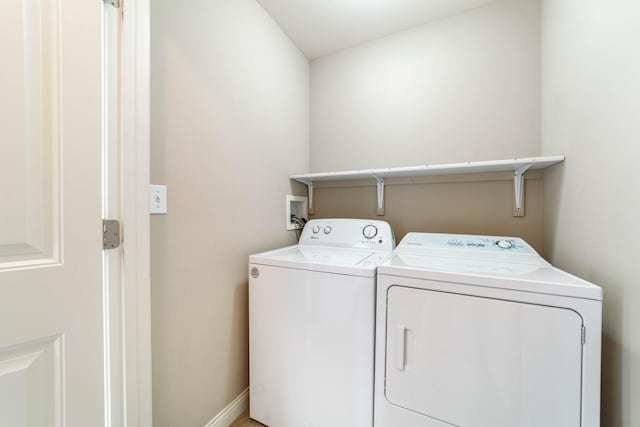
<point x="357" y="262"/>
<point x="430" y="256"/>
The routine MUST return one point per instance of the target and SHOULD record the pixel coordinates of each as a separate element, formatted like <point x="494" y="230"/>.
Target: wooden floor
<point x="244" y="421"/>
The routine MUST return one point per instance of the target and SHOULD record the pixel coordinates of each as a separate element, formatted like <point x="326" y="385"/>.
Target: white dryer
<point x="479" y="331"/>
<point x="312" y="325"/>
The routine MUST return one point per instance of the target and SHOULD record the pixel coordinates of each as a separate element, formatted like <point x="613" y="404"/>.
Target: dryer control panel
<point x="349" y="233"/>
<point x="487" y="244"/>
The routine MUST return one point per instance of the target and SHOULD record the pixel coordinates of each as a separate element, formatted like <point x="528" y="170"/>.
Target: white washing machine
<point x="478" y="331"/>
<point x="312" y="325"/>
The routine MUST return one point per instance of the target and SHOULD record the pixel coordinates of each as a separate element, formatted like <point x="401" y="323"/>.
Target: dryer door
<point x="479" y="362"/>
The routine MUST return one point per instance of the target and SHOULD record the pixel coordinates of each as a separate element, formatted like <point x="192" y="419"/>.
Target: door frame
<point x="135" y="212"/>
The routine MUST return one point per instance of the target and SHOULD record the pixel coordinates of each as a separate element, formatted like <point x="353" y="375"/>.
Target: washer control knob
<point x="504" y="244"/>
<point x="370" y="231"/>
<point x="327" y="229"/>
<point x="316" y="230"/>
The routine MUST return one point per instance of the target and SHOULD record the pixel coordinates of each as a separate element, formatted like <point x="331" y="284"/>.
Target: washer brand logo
<point x="255" y="273"/>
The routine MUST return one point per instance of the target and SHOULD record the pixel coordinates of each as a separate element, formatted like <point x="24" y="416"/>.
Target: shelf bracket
<point x="518" y="183"/>
<point x="309" y="185"/>
<point x="380" y="188"/>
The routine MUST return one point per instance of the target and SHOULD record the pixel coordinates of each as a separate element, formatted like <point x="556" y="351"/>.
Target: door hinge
<point x="583" y="335"/>
<point x="114" y="3"/>
<point x="110" y="234"/>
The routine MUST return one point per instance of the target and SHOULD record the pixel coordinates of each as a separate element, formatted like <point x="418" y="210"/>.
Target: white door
<point x="51" y="287"/>
<point x="479" y="362"/>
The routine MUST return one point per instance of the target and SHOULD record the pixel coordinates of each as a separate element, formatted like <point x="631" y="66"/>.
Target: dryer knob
<point x="504" y="244"/>
<point x="316" y="230"/>
<point x="327" y="230"/>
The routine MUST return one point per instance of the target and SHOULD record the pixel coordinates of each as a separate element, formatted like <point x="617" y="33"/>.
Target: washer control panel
<point x="349" y="233"/>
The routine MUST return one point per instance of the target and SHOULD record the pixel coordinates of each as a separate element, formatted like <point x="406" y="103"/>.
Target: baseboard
<point x="232" y="411"/>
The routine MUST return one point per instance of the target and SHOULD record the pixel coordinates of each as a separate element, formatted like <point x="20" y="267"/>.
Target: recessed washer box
<point x="298" y="206"/>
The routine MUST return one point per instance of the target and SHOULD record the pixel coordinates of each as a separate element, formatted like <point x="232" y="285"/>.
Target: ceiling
<point x="320" y="27"/>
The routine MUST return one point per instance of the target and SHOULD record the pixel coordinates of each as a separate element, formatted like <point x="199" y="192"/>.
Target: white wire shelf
<point x="518" y="166"/>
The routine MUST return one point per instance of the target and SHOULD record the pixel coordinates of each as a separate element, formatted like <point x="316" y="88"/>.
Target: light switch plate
<point x="157" y="199"/>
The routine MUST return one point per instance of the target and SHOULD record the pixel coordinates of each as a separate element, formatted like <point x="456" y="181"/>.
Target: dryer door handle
<point x="401" y="333"/>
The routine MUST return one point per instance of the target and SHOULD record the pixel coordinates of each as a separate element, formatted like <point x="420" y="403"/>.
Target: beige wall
<point x="460" y="88"/>
<point x="229" y="125"/>
<point x="457" y="89"/>
<point x="591" y="96"/>
<point x="467" y="204"/>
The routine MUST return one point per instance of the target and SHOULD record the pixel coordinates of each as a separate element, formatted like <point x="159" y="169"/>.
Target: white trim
<point x="135" y="212"/>
<point x="111" y="198"/>
<point x="233" y="410"/>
